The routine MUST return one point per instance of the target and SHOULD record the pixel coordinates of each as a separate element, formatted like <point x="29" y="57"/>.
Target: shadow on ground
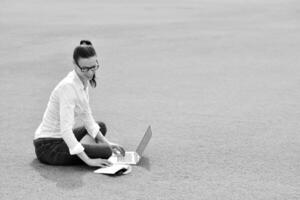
<point x="145" y="163"/>
<point x="67" y="177"/>
<point x="70" y="177"/>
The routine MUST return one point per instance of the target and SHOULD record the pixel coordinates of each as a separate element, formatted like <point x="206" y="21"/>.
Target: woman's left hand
<point x="117" y="149"/>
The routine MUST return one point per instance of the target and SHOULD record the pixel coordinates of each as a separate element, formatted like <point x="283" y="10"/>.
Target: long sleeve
<point x="89" y="122"/>
<point x="67" y="105"/>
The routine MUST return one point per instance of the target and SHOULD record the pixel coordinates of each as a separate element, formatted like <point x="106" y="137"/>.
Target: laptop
<point x="133" y="157"/>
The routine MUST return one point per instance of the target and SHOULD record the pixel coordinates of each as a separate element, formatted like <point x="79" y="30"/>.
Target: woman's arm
<point x="117" y="149"/>
<point x="97" y="162"/>
<point x="101" y="138"/>
<point x="66" y="115"/>
<point x="67" y="104"/>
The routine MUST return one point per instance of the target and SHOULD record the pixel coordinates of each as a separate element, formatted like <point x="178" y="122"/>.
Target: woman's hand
<point x="93" y="162"/>
<point x="117" y="149"/>
<point x="98" y="162"/>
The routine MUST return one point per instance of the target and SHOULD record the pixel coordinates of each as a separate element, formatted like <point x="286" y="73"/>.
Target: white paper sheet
<point x="113" y="169"/>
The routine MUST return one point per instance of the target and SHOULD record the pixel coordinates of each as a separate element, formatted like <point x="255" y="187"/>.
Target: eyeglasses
<point x="86" y="69"/>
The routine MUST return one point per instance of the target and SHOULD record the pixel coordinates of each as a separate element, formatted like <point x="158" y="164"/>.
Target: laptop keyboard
<point x="126" y="158"/>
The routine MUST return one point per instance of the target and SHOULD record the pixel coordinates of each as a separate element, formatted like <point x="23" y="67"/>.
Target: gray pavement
<point x="219" y="81"/>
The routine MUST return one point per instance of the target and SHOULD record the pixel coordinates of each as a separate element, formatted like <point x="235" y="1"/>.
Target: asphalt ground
<point x="217" y="80"/>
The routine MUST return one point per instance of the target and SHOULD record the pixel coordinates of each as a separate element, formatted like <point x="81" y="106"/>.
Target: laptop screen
<point x="140" y="149"/>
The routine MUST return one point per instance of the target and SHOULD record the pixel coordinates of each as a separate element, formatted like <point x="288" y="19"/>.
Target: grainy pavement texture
<point x="219" y="81"/>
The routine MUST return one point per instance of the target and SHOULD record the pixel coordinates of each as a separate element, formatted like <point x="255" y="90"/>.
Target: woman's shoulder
<point x="66" y="85"/>
<point x="66" y="82"/>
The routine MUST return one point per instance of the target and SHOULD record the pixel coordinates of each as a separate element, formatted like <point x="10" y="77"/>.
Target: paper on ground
<point x="113" y="169"/>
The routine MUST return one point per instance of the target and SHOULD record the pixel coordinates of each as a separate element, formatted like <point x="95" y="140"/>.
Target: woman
<point x="55" y="141"/>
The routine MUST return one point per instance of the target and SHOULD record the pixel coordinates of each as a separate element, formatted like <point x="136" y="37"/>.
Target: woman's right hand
<point x="98" y="162"/>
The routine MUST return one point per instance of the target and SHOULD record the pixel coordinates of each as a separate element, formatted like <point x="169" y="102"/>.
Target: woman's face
<point x="87" y="67"/>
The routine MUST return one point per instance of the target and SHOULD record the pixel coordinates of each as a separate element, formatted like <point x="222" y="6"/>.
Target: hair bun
<point x="85" y="42"/>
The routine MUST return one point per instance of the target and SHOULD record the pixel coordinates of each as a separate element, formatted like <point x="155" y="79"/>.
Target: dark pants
<point x="54" y="151"/>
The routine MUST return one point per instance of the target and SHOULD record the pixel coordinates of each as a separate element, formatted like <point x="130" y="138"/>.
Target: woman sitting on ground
<point x="56" y="142"/>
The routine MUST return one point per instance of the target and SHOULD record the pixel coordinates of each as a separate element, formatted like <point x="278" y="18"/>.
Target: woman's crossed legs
<point x="55" y="151"/>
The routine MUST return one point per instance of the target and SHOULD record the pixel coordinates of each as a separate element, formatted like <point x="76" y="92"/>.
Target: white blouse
<point x="68" y="101"/>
